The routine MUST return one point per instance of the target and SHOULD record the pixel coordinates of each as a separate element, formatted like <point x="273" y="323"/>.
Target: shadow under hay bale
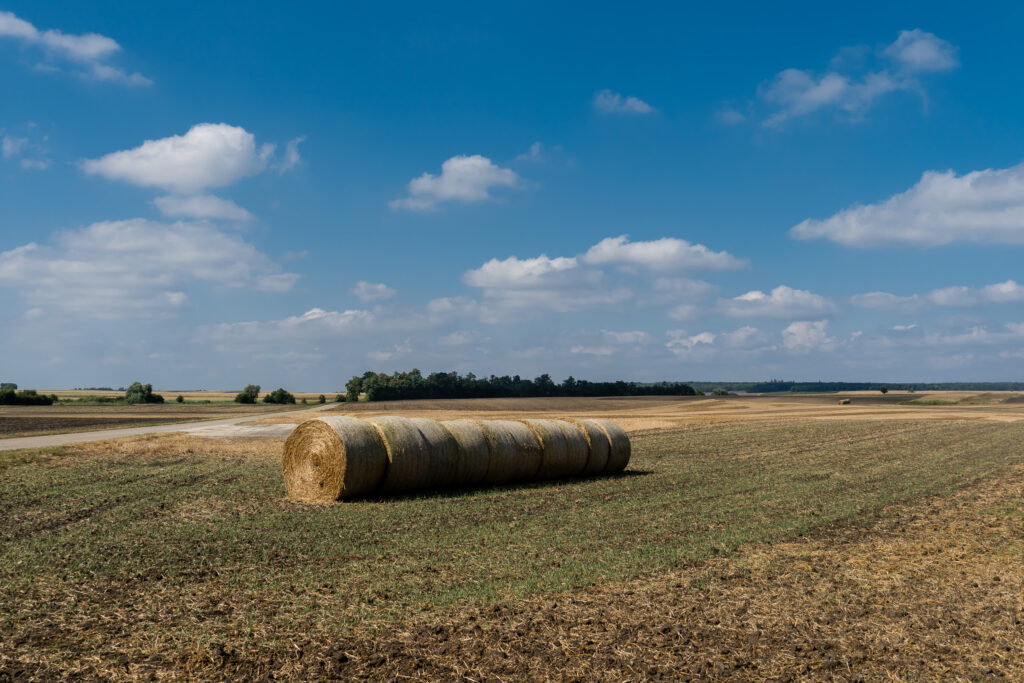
<point x="337" y="458"/>
<point x="332" y="458"/>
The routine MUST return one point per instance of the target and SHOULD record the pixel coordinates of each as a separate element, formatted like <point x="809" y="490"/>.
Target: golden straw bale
<point x="619" y="451"/>
<point x="597" y="445"/>
<point x="473" y="456"/>
<point x="333" y="458"/>
<point x="443" y="450"/>
<point x="408" y="454"/>
<point x="577" y="449"/>
<point x="554" y="456"/>
<point x="515" y="451"/>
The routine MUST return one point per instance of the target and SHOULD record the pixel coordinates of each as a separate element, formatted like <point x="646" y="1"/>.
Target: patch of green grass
<point x="161" y="540"/>
<point x="930" y="402"/>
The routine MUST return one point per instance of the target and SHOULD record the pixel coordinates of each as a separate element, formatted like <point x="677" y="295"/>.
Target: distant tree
<point x="28" y="397"/>
<point x="304" y="401"/>
<point x="141" y="393"/>
<point x="322" y="399"/>
<point x="249" y="394"/>
<point x="279" y="396"/>
<point x="8" y="386"/>
<point x="884" y="390"/>
<point x="341" y="398"/>
<point x="180" y="399"/>
<point x="719" y="391"/>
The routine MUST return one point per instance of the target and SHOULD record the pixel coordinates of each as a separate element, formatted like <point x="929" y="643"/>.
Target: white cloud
<point x="665" y="254"/>
<point x="535" y="153"/>
<point x="35" y="164"/>
<point x="607" y="342"/>
<point x="781" y="302"/>
<point x="523" y="273"/>
<point x="923" y="52"/>
<point x="367" y="291"/>
<point x="884" y="301"/>
<point x="683" y="312"/>
<point x="807" y="335"/>
<point x="465" y="179"/>
<point x="292" y="159"/>
<point x="999" y="293"/>
<point x="314" y="324"/>
<point x="121" y="268"/>
<point x="614" y="103"/>
<point x="91" y="50"/>
<point x="981" y="206"/>
<point x="208" y="155"/>
<point x="201" y="206"/>
<point x="798" y="92"/>
<point x="13" y="146"/>
<point x="682" y="344"/>
<point x="747" y="340"/>
<point x="904" y="328"/>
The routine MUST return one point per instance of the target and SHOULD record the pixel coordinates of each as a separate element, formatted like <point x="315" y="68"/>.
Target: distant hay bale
<point x="554" y="461"/>
<point x="597" y="445"/>
<point x="332" y="458"/>
<point x="514" y="451"/>
<point x="443" y="450"/>
<point x="408" y="454"/>
<point x="844" y="401"/>
<point x="619" y="447"/>
<point x="473" y="455"/>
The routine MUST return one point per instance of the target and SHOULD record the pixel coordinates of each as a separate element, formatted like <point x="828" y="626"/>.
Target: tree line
<point x="399" y="386"/>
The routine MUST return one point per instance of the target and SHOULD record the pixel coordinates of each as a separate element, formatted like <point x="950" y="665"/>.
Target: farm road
<point x="221" y="427"/>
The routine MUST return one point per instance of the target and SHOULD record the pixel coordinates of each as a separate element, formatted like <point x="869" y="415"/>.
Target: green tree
<point x="322" y="399"/>
<point x="279" y="396"/>
<point x="141" y="393"/>
<point x="884" y="390"/>
<point x="249" y="394"/>
<point x="180" y="399"/>
<point x="8" y="386"/>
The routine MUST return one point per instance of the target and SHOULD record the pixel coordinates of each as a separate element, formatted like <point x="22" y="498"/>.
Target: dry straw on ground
<point x="332" y="458"/>
<point x="618" y="454"/>
<point x="473" y="456"/>
<point x="597" y="446"/>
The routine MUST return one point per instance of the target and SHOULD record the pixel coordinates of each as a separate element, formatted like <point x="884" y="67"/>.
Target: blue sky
<point x="199" y="196"/>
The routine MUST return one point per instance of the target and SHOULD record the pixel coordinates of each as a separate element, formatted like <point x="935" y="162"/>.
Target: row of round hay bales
<point x="334" y="458"/>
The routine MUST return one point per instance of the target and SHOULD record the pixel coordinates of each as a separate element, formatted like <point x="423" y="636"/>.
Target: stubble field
<point x="749" y="538"/>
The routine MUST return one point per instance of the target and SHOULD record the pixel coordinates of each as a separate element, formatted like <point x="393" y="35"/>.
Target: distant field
<point x="747" y="537"/>
<point x="171" y="394"/>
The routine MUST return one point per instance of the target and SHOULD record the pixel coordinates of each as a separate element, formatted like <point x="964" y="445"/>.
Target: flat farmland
<point x="749" y="538"/>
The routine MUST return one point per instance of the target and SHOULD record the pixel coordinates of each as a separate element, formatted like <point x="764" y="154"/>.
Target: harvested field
<point x="807" y="547"/>
<point x="24" y="426"/>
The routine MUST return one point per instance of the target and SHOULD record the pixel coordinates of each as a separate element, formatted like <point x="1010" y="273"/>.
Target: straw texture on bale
<point x="598" y="446"/>
<point x="443" y="450"/>
<point x="554" y="456"/>
<point x="619" y="451"/>
<point x="577" y="450"/>
<point x="473" y="456"/>
<point x="515" y="451"/>
<point x="409" y="461"/>
<point x="332" y="458"/>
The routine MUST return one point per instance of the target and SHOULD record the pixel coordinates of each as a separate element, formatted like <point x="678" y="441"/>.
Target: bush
<point x="304" y="401"/>
<point x="249" y="394"/>
<point x="180" y="399"/>
<point x="341" y="398"/>
<point x="279" y="396"/>
<point x="884" y="390"/>
<point x="719" y="391"/>
<point x="28" y="397"/>
<point x="322" y="399"/>
<point x="8" y="386"/>
<point x="141" y="393"/>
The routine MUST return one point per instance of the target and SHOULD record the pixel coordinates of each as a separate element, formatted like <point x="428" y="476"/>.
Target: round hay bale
<point x="577" y="450"/>
<point x="619" y="451"/>
<point x="514" y="451"/>
<point x="333" y="458"/>
<point x="408" y="454"/>
<point x="598" y="446"/>
<point x="443" y="450"/>
<point x="473" y="456"/>
<point x="554" y="450"/>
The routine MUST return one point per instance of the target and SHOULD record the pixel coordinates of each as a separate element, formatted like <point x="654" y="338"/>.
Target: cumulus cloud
<point x="316" y="323"/>
<point x="208" y="155"/>
<point x="746" y="341"/>
<point x="682" y="344"/>
<point x="368" y="291"/>
<point x="614" y="103"/>
<point x="523" y="273"/>
<point x="464" y="179"/>
<point x="12" y="146"/>
<point x="201" y="206"/>
<point x="607" y="342"/>
<point x="119" y="268"/>
<point x="88" y="50"/>
<point x="999" y="293"/>
<point x="981" y="206"/>
<point x="781" y="302"/>
<point x="806" y="335"/>
<point x="665" y="254"/>
<point x="795" y="93"/>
